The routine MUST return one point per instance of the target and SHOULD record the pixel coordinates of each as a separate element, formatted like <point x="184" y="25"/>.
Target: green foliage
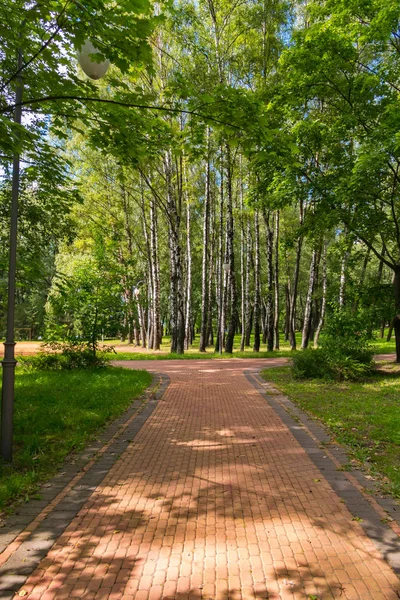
<point x="59" y="412"/>
<point x="310" y="364"/>
<point x="68" y="355"/>
<point x="344" y="366"/>
<point x="338" y="364"/>
<point x="346" y="334"/>
<point x="85" y="298"/>
<point x="346" y="352"/>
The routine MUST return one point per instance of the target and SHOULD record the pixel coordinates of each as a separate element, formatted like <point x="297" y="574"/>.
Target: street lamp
<point x="94" y="70"/>
<point x="91" y="68"/>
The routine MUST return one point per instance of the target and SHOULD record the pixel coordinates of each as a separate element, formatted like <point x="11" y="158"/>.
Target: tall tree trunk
<point x="270" y="283"/>
<point x="287" y="311"/>
<point x="144" y="327"/>
<point x="211" y="238"/>
<point x="324" y="290"/>
<point x="362" y="279"/>
<point x="343" y="269"/>
<point x="142" y="322"/>
<point x="242" y="274"/>
<point x="155" y="316"/>
<point x="176" y="295"/>
<point x="264" y="322"/>
<point x="293" y="299"/>
<point x="378" y="281"/>
<point x="248" y="307"/>
<point x="231" y="255"/>
<point x="276" y="282"/>
<point x="188" y="320"/>
<point x="220" y="276"/>
<point x="127" y="280"/>
<point x="309" y="299"/>
<point x="205" y="262"/>
<point x="257" y="275"/>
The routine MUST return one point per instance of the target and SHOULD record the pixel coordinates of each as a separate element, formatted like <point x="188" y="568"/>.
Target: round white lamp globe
<point x="94" y="70"/>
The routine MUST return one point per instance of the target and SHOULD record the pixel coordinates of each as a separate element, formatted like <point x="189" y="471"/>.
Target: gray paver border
<point x="310" y="436"/>
<point x="15" y="571"/>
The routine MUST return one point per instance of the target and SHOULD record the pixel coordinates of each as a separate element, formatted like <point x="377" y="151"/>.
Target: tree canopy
<point x="236" y="171"/>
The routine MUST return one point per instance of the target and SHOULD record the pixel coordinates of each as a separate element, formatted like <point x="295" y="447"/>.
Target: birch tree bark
<point x="293" y="299"/>
<point x="155" y="313"/>
<point x="220" y="275"/>
<point x="146" y="329"/>
<point x="211" y="273"/>
<point x="188" y="319"/>
<point x="231" y="255"/>
<point x="276" y="283"/>
<point x="248" y="307"/>
<point x="205" y="261"/>
<point x="176" y="295"/>
<point x="257" y="278"/>
<point x="324" y="290"/>
<point x="242" y="274"/>
<point x="309" y="299"/>
<point x="270" y="283"/>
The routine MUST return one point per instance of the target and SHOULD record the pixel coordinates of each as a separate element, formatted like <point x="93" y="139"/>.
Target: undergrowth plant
<point x="68" y="355"/>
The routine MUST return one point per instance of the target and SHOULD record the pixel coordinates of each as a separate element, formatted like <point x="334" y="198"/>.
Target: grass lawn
<point x="193" y="351"/>
<point x="192" y="355"/>
<point x="364" y="416"/>
<point x="57" y="412"/>
<point x="381" y="345"/>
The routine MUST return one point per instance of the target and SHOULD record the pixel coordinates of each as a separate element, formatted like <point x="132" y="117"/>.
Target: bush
<point x="348" y="367"/>
<point x="310" y="364"/>
<point x="346" y="333"/>
<point x="330" y="364"/>
<point x="346" y="351"/>
<point x="67" y="355"/>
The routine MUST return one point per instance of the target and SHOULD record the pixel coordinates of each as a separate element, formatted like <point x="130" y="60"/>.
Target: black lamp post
<point x="9" y="362"/>
<point x="94" y="70"/>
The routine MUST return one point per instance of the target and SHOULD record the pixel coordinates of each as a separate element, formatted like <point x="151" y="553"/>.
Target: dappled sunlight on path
<point x="213" y="499"/>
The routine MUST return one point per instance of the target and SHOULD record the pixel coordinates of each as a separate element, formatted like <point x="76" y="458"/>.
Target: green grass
<point x="58" y="412"/>
<point x="364" y="416"/>
<point x="192" y="355"/>
<point x="381" y="345"/>
<point x="193" y="351"/>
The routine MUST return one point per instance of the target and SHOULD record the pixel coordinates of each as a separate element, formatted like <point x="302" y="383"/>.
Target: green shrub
<point x="331" y="364"/>
<point x="67" y="355"/>
<point x="346" y="352"/>
<point x="348" y="334"/>
<point x="310" y="364"/>
<point x="348" y="367"/>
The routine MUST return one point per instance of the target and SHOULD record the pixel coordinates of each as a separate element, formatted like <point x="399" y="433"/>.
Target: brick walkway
<point x="213" y="499"/>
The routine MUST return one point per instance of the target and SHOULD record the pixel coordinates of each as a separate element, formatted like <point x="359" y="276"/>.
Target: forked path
<point x="214" y="499"/>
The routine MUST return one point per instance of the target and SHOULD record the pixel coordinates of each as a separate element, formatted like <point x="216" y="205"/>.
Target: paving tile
<point x="215" y="497"/>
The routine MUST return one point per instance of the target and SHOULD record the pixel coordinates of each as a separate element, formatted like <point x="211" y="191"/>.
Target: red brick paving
<point x="214" y="499"/>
